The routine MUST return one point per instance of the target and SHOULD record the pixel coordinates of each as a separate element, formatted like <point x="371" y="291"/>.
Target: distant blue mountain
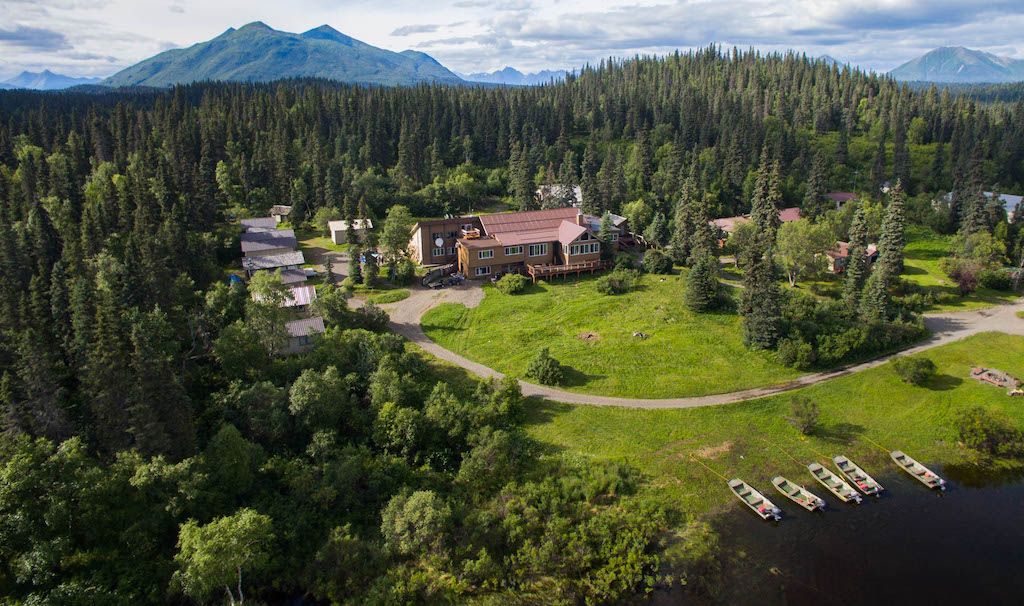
<point x="258" y="53"/>
<point x="515" y="77"/>
<point x="45" y="80"/>
<point x="961" y="65"/>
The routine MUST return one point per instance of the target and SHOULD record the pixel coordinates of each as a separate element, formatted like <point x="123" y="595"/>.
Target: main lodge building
<point x="509" y="242"/>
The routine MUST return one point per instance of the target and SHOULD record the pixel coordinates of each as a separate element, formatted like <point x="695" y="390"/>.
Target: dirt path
<point x="945" y="328"/>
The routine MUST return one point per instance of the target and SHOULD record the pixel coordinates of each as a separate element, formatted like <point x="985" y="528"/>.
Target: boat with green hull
<point x="798" y="494"/>
<point x="755" y="500"/>
<point x="834" y="484"/>
<point x="922" y="473"/>
<point x="855" y="474"/>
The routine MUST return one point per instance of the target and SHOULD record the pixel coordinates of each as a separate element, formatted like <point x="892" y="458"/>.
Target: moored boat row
<point x="922" y="473"/>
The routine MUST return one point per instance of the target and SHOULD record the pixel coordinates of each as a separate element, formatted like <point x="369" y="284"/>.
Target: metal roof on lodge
<point x="528" y="220"/>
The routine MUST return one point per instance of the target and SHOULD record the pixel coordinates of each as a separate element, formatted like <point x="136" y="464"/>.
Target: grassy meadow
<point x="742" y="439"/>
<point x="922" y="264"/>
<point x="684" y="354"/>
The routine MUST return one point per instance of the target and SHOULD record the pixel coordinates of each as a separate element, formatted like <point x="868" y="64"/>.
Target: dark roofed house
<point x="290" y="260"/>
<point x="258" y="223"/>
<point x="301" y="334"/>
<point x="293" y="276"/>
<point x="267" y="243"/>
<point x="841" y="197"/>
<point x="280" y="212"/>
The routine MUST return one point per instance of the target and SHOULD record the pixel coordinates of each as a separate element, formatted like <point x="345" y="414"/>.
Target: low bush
<point x="402" y="273"/>
<point x="805" y="414"/>
<point x="797" y="353"/>
<point x="656" y="262"/>
<point x="996" y="280"/>
<point x="916" y="370"/>
<point x="618" y="281"/>
<point x="372" y="317"/>
<point x="988" y="432"/>
<point x="544" y="369"/>
<point x="624" y="260"/>
<point x="511" y="284"/>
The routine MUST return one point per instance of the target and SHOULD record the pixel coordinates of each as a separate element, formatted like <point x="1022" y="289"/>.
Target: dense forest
<point x="155" y="450"/>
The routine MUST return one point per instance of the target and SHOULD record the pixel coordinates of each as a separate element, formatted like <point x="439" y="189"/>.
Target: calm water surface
<point x="910" y="546"/>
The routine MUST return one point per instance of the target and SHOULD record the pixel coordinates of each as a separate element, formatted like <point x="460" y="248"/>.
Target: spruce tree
<point x="764" y="208"/>
<point x="355" y="269"/>
<point x="702" y="284"/>
<point x="761" y="298"/>
<point x="893" y="239"/>
<point x="857" y="263"/>
<point x="876" y="302"/>
<point x="815" y="200"/>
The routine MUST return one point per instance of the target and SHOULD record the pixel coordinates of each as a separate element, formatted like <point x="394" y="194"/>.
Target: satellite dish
<point x="439" y="242"/>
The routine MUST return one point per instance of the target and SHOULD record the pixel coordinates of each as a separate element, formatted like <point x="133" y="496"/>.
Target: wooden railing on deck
<point x="542" y="271"/>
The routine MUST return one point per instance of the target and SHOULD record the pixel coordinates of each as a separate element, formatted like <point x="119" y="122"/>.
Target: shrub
<point x="805" y="414"/>
<point x="797" y="353"/>
<point x="988" y="432"/>
<point x="372" y="317"/>
<point x="618" y="281"/>
<point x="996" y="280"/>
<point x="511" y="284"/>
<point x="656" y="262"/>
<point x="915" y="370"/>
<point x="544" y="369"/>
<point x="624" y="260"/>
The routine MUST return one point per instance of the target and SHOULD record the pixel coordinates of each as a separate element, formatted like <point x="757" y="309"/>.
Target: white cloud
<point x="81" y="37"/>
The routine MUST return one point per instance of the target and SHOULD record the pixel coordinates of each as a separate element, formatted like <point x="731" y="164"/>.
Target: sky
<point x="100" y="37"/>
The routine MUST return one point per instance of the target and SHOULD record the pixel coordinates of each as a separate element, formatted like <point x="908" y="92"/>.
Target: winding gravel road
<point x="945" y="328"/>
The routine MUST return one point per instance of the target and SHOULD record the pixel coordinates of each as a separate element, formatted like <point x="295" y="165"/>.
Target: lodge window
<point x="615" y="237"/>
<point x="451" y="250"/>
<point x="485" y="254"/>
<point x="585" y="249"/>
<point x="435" y="236"/>
<point x="438" y="252"/>
<point x="513" y="250"/>
<point x="483" y="271"/>
<point x="452" y="234"/>
<point x="305" y="340"/>
<point x="537" y="250"/>
<point x="467" y="226"/>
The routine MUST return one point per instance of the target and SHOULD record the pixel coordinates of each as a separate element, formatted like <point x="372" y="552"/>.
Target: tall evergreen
<point x="893" y="238"/>
<point x="764" y="207"/>
<point x="857" y="263"/>
<point x="815" y="199"/>
<point x="761" y="297"/>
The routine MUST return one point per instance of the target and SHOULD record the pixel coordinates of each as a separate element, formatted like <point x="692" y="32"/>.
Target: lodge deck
<point x="544" y="271"/>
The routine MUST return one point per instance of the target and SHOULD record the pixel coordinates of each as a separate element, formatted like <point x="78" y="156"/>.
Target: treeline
<point x="141" y="403"/>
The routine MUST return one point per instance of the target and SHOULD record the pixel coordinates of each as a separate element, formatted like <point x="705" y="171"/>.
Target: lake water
<point x="910" y="546"/>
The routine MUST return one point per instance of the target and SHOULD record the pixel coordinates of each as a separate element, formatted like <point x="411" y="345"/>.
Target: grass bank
<point x="922" y="258"/>
<point x="732" y="438"/>
<point x="683" y="354"/>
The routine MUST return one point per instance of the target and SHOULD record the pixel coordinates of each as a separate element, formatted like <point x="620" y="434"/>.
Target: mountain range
<point x="956" y="64"/>
<point x="515" y="77"/>
<point x="258" y="53"/>
<point x="45" y="80"/>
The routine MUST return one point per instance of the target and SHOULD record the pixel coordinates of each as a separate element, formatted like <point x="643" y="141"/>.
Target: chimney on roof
<point x="581" y="220"/>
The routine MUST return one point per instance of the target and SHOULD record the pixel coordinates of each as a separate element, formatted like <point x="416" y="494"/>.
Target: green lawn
<point x="731" y="438"/>
<point x="686" y="354"/>
<point x="922" y="257"/>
